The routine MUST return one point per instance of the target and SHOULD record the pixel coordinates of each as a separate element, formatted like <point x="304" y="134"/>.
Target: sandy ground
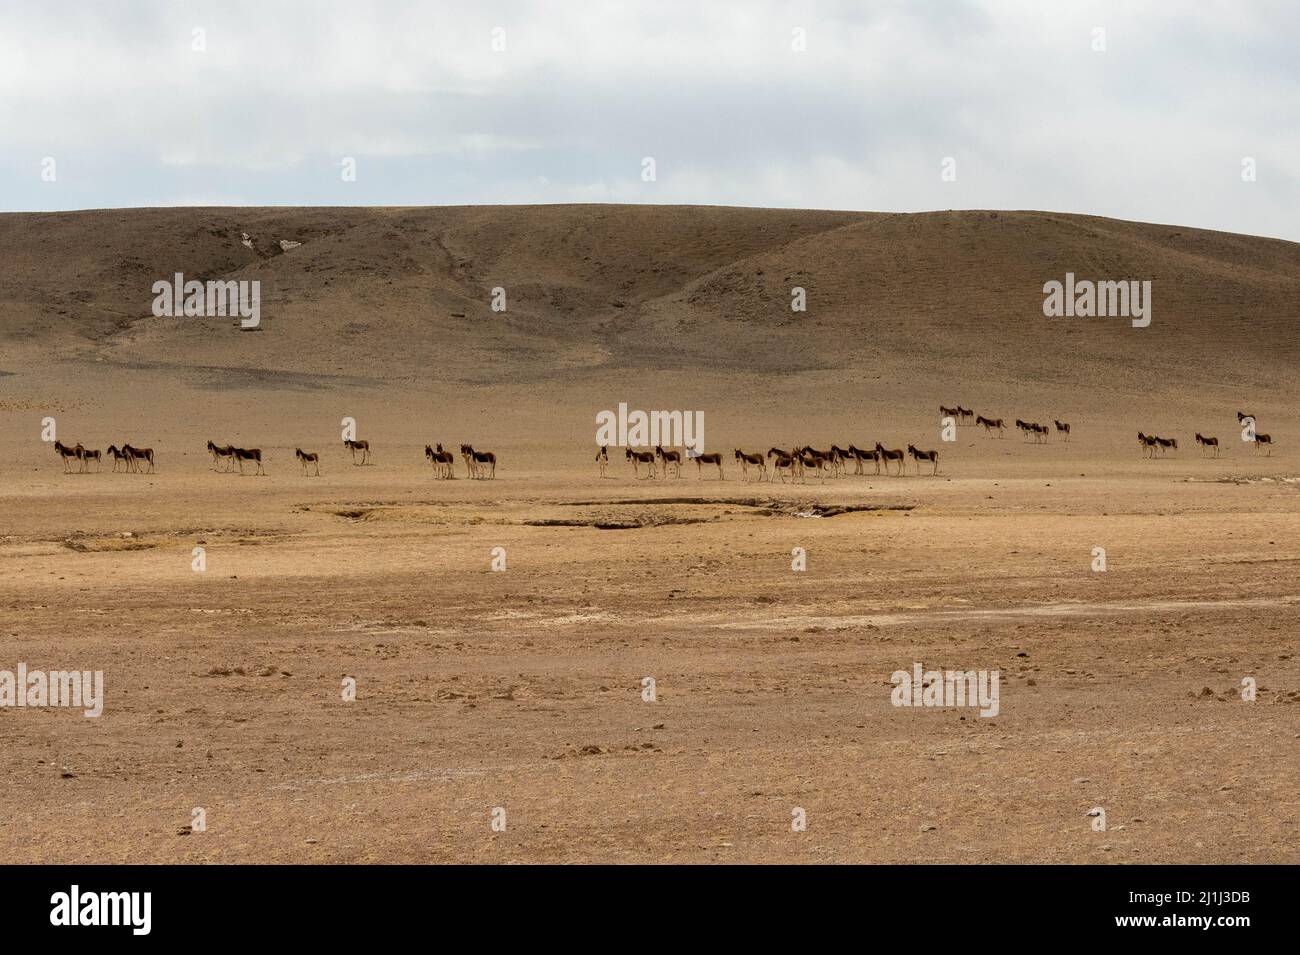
<point x="522" y="689"/>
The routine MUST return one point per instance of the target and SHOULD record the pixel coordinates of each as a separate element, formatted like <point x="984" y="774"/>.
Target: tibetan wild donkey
<point x="639" y="458"/>
<point x="307" y="457"/>
<point x="477" y="462"/>
<point x="756" y="460"/>
<point x="443" y="462"/>
<point x="355" y="446"/>
<point x="918" y="456"/>
<point x="249" y="454"/>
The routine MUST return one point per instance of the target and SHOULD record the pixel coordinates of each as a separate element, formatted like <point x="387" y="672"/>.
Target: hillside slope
<point x="402" y="295"/>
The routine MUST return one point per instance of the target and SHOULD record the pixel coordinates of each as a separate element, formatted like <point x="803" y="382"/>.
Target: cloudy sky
<point x="278" y="94"/>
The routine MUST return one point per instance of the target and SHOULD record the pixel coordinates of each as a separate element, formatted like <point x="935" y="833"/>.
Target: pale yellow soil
<point x="523" y="689"/>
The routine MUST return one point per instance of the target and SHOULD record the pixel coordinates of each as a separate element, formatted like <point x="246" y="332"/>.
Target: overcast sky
<point x="1155" y="127"/>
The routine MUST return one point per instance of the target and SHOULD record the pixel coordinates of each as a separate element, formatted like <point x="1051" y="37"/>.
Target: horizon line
<point x="665" y="205"/>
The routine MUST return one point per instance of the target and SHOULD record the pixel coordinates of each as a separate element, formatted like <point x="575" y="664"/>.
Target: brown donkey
<point x="307" y="457"/>
<point x="249" y="454"/>
<point x="887" y="455"/>
<point x="860" y="458"/>
<point x="782" y="462"/>
<point x="88" y="456"/>
<point x="713" y="457"/>
<point x="66" y="453"/>
<point x="840" y="459"/>
<point x="818" y="460"/>
<point x="755" y="459"/>
<point x="918" y="456"/>
<point x="221" y="454"/>
<point x="479" y="460"/>
<point x="810" y="460"/>
<point x="136" y="455"/>
<point x="639" y="458"/>
<point x="119" y="457"/>
<point x="443" y="462"/>
<point x="355" y="446"/>
<point x="673" y="458"/>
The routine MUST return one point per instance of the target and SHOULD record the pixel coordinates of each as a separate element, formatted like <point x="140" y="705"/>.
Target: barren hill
<point x="900" y="308"/>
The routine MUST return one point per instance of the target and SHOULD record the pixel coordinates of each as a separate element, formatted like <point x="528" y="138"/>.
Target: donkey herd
<point x="793" y="465"/>
<point x="227" y="457"/>
<point x="1153" y="445"/>
<point x="133" y="459"/>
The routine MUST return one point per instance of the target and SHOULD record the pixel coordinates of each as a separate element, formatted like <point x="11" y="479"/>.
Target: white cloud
<point x="1153" y="128"/>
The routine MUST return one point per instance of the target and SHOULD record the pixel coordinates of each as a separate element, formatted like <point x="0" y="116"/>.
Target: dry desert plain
<point x="522" y="689"/>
